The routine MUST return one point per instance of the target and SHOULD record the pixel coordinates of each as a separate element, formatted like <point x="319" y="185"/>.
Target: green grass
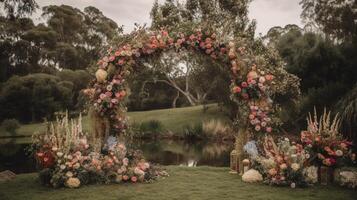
<point x="183" y="184"/>
<point x="172" y="119"/>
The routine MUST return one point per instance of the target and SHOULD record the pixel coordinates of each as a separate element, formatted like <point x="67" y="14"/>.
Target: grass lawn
<point x="172" y="119"/>
<point x="183" y="183"/>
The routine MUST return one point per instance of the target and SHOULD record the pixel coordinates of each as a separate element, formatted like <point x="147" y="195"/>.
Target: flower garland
<point x="250" y="83"/>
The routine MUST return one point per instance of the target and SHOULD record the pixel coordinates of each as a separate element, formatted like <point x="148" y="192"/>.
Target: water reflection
<point x="165" y="152"/>
<point x="168" y="152"/>
<point x="13" y="156"/>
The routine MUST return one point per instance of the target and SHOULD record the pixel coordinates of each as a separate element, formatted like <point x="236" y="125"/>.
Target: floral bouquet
<point x="65" y="158"/>
<point x="325" y="144"/>
<point x="283" y="163"/>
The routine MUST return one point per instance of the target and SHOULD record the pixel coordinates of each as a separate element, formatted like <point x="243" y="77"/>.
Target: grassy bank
<point x="183" y="183"/>
<point x="172" y="120"/>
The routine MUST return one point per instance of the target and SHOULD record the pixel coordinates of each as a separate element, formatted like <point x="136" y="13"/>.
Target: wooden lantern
<point x="234" y="164"/>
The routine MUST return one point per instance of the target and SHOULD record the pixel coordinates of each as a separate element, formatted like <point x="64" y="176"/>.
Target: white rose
<point x="54" y="148"/>
<point x="63" y="167"/>
<point x="293" y="185"/>
<point x="339" y="153"/>
<point x="295" y="166"/>
<point x="60" y="154"/>
<point x="77" y="165"/>
<point x="69" y="174"/>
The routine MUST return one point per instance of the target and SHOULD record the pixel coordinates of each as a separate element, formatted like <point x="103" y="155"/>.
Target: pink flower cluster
<point x="259" y="119"/>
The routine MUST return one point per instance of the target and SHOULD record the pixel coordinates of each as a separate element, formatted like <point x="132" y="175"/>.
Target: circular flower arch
<point x="251" y="82"/>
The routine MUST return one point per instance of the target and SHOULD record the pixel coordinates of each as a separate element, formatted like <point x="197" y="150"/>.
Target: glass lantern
<point x="234" y="164"/>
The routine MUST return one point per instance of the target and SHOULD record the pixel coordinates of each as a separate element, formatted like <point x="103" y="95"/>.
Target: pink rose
<point x="102" y="96"/>
<point x="134" y="179"/>
<point x="108" y="94"/>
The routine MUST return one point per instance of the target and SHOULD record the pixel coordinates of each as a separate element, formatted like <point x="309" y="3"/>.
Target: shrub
<point x="150" y="128"/>
<point x="32" y="97"/>
<point x="193" y="132"/>
<point x="10" y="125"/>
<point x="216" y="129"/>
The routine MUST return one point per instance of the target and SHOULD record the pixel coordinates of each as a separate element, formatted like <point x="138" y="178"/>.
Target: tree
<point x="229" y="18"/>
<point x="18" y="8"/>
<point x="81" y="36"/>
<point x="189" y="74"/>
<point x="336" y="18"/>
<point x="32" y="97"/>
<point x="275" y="33"/>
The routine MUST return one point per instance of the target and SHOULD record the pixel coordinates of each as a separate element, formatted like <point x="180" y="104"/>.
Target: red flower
<point x="244" y="84"/>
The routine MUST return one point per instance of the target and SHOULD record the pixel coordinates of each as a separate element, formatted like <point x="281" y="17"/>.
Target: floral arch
<point x="252" y="79"/>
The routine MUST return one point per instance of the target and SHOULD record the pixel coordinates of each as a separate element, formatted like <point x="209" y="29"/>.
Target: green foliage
<point x="336" y="18"/>
<point x="150" y="129"/>
<point x="18" y="8"/>
<point x="10" y="125"/>
<point x="228" y="17"/>
<point x="32" y="97"/>
<point x="326" y="69"/>
<point x="348" y="108"/>
<point x="193" y="132"/>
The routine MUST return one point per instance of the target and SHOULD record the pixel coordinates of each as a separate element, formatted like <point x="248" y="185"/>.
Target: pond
<point x="13" y="154"/>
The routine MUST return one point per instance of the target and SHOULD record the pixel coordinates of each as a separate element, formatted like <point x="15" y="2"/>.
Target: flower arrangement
<point x="252" y="77"/>
<point x="325" y="143"/>
<point x="65" y="158"/>
<point x="282" y="163"/>
<point x="294" y="164"/>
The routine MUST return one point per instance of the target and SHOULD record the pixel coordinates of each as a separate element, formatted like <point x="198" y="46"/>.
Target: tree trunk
<point x="175" y="99"/>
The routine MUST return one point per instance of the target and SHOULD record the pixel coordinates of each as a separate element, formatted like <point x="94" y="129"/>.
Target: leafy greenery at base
<point x="183" y="183"/>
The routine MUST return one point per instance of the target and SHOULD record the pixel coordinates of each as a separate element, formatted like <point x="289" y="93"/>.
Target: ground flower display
<point x="66" y="158"/>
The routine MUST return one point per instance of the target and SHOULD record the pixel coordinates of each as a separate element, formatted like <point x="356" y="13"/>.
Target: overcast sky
<point x="268" y="13"/>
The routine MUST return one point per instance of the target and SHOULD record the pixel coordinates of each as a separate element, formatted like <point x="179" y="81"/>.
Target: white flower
<point x="60" y="154"/>
<point x="252" y="176"/>
<point x="295" y="166"/>
<point x="62" y="167"/>
<point x="54" y="148"/>
<point x="307" y="156"/>
<point x="339" y="153"/>
<point x="70" y="157"/>
<point x="293" y="185"/>
<point x="76" y="166"/>
<point x="73" y="183"/>
<point x="69" y="174"/>
<point x="139" y="172"/>
<point x="310" y="174"/>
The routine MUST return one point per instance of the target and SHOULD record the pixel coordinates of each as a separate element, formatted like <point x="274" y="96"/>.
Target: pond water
<point x="165" y="152"/>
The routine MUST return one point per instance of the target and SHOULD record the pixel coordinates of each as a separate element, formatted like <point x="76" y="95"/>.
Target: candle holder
<point x="246" y="165"/>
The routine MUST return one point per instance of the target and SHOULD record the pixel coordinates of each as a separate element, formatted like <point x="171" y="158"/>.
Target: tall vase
<point x="326" y="175"/>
